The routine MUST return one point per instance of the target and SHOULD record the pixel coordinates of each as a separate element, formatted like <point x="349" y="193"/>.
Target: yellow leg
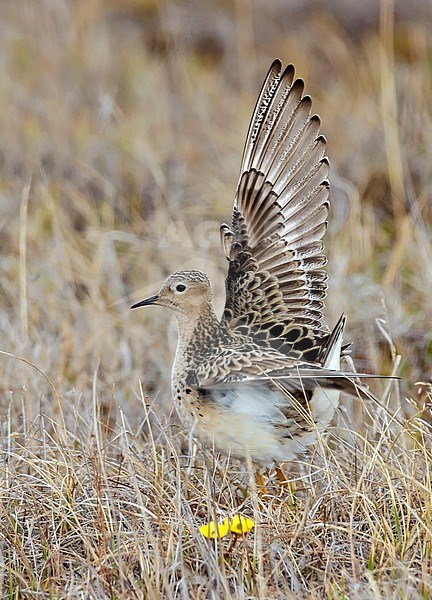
<point x="281" y="477"/>
<point x="288" y="487"/>
<point x="259" y="480"/>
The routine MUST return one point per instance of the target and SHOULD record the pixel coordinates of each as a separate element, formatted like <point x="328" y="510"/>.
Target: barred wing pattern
<point x="275" y="284"/>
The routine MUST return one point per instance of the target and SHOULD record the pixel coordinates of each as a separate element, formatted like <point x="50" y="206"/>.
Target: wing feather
<point x="280" y="213"/>
<point x="262" y="106"/>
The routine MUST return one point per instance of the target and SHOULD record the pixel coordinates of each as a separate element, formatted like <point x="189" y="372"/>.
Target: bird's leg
<point x="287" y="486"/>
<point x="281" y="477"/>
<point x="259" y="480"/>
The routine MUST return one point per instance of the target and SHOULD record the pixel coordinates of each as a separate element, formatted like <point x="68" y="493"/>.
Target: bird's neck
<point x="198" y="329"/>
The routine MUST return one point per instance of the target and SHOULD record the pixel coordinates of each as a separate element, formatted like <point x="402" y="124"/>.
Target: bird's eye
<point x="180" y="287"/>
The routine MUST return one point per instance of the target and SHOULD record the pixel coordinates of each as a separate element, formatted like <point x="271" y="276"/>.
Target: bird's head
<point x="183" y="292"/>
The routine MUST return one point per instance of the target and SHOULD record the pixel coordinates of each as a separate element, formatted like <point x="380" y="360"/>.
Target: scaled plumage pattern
<point x="263" y="380"/>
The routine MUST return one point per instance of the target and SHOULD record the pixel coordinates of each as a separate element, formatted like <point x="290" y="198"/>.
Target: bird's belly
<point x="255" y="422"/>
<point x="323" y="405"/>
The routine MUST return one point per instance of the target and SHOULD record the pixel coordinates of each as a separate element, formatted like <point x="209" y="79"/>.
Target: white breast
<point x="248" y="421"/>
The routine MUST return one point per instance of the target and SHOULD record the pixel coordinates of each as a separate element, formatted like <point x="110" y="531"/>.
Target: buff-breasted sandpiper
<point x="264" y="379"/>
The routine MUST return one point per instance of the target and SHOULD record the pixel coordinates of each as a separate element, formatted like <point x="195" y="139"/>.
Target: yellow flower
<point x="240" y="525"/>
<point x="237" y="524"/>
<point x="212" y="530"/>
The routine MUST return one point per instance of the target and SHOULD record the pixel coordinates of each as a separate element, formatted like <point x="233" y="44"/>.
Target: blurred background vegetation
<point x="122" y="125"/>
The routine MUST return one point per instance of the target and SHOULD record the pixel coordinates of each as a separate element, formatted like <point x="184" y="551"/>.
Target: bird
<point x="264" y="380"/>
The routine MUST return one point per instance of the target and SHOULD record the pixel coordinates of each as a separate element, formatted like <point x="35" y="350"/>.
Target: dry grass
<point x="122" y="128"/>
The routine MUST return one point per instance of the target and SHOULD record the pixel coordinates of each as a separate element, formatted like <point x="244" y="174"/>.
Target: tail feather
<point x="329" y="355"/>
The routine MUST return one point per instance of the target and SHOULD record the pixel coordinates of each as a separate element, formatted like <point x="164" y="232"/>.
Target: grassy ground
<point x="122" y="126"/>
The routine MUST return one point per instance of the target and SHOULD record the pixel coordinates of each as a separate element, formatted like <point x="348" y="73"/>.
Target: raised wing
<point x="275" y="279"/>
